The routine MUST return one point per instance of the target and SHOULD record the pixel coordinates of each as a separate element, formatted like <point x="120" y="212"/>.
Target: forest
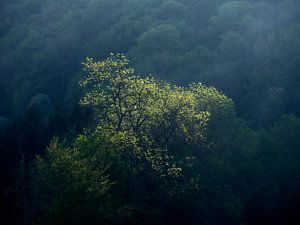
<point x="150" y="112"/>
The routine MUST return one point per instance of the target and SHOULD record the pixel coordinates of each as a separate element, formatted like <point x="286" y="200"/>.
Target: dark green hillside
<point x="196" y="122"/>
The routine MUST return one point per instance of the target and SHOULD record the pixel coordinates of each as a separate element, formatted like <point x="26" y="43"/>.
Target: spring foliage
<point x="148" y="136"/>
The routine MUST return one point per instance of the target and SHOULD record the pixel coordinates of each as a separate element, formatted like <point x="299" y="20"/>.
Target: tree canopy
<point x="196" y="122"/>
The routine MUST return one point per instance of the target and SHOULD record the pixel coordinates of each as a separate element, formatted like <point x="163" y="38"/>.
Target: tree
<point x="154" y="111"/>
<point x="140" y="159"/>
<point x="148" y="117"/>
<point x="68" y="186"/>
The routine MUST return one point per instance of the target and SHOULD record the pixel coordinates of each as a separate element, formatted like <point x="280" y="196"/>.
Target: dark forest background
<point x="248" y="50"/>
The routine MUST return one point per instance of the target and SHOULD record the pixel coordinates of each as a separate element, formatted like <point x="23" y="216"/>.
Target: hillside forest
<point x="150" y="112"/>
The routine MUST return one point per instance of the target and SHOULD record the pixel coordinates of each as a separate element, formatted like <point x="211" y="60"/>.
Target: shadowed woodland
<point x="153" y="112"/>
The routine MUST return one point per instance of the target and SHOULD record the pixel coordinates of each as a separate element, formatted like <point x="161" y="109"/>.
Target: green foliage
<point x="149" y="139"/>
<point x="156" y="150"/>
<point x="154" y="153"/>
<point x="145" y="116"/>
<point x="70" y="183"/>
<point x="240" y="47"/>
<point x="154" y="111"/>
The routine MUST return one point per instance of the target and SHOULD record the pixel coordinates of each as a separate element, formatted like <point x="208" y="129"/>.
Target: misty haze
<point x="150" y="112"/>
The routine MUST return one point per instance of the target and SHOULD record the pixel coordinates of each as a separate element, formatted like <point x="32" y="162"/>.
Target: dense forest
<point x="153" y="112"/>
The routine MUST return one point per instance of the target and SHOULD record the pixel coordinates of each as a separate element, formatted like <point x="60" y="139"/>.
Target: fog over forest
<point x="150" y="112"/>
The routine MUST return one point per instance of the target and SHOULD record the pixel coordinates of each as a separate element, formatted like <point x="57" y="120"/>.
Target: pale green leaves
<point x="155" y="111"/>
<point x="147" y="118"/>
